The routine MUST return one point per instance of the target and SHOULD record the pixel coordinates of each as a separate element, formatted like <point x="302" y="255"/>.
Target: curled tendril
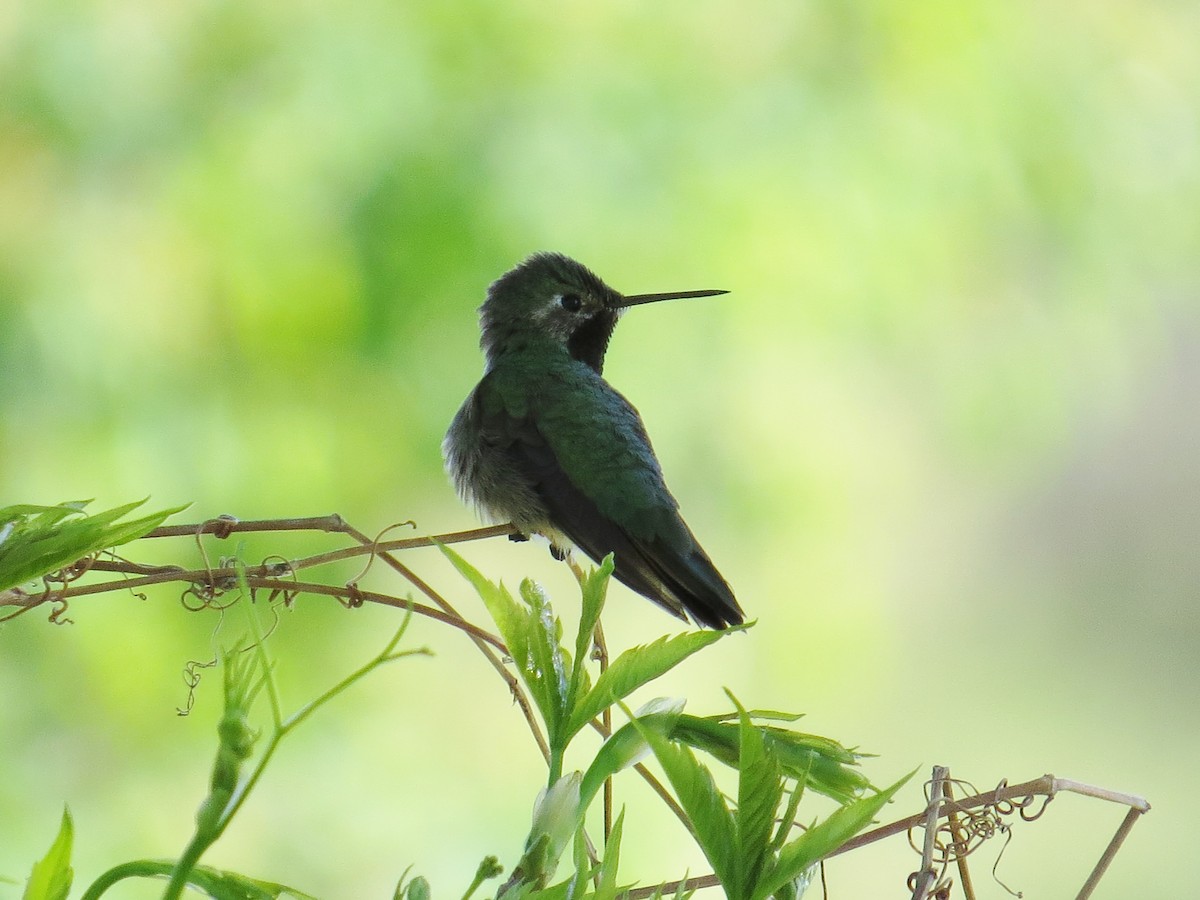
<point x="222" y="529"/>
<point x="205" y="597"/>
<point x="955" y="841"/>
<point x="191" y="678"/>
<point x="58" y="613"/>
<point x="117" y="558"/>
<point x="1023" y="806"/>
<point x="964" y="831"/>
<point x="274" y="607"/>
<point x="1007" y="832"/>
<point x="939" y="891"/>
<point x="276" y="566"/>
<point x="375" y="548"/>
<point x="70" y="573"/>
<point x="54" y="585"/>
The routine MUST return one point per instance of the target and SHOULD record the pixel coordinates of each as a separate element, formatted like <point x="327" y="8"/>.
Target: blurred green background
<point x="942" y="437"/>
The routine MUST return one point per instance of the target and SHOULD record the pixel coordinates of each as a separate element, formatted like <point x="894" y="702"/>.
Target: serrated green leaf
<point x="123" y="532"/>
<point x="52" y="875"/>
<point x="822" y="839"/>
<point x="111" y="515"/>
<point x="546" y="671"/>
<point x="558" y="891"/>
<point x="772" y="715"/>
<point x="606" y="888"/>
<point x="525" y="635"/>
<point x="711" y="820"/>
<point x="216" y="883"/>
<point x="40" y="515"/>
<point x="41" y="540"/>
<point x="826" y="764"/>
<point x="510" y="618"/>
<point x="634" y="668"/>
<point x="788" y="819"/>
<point x="760" y="788"/>
<point x="624" y="748"/>
<point x="593" y="591"/>
<point x="581" y="866"/>
<point x="223" y="885"/>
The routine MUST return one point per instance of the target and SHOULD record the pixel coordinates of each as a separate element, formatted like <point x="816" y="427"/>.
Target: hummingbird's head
<point x="552" y="296"/>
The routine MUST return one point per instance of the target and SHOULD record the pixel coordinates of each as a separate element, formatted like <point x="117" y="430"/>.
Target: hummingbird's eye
<point x="570" y="302"/>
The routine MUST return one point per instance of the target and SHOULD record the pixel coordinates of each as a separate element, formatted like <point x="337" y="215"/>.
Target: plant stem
<point x="187" y="862"/>
<point x="136" y="869"/>
<point x="206" y="837"/>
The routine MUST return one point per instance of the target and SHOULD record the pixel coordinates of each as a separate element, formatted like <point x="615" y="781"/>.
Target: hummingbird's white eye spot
<point x="570" y="302"/>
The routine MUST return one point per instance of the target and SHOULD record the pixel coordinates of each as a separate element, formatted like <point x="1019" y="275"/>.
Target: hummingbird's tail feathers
<point x="692" y="580"/>
<point x="684" y="584"/>
<point x="662" y="562"/>
<point x="676" y="574"/>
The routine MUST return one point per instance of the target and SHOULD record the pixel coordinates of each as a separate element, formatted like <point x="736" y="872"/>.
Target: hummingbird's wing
<point x="584" y="453"/>
<point x="667" y="566"/>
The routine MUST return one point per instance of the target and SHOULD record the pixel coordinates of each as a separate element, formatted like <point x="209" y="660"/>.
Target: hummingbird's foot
<point x="518" y="536"/>
<point x="559" y="553"/>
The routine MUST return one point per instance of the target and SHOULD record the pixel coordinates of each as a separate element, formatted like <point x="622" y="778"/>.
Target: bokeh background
<point x="942" y="437"/>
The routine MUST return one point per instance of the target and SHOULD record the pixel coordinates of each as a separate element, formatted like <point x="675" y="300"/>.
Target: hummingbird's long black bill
<point x="638" y="299"/>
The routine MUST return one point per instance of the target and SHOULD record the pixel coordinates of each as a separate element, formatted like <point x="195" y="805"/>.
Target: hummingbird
<point x="546" y="443"/>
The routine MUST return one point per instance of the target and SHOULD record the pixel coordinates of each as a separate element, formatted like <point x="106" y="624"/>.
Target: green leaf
<point x="606" y="888"/>
<point x="760" y="789"/>
<point x="578" y="883"/>
<point x="712" y="822"/>
<point x="52" y="875"/>
<point x="530" y="634"/>
<point x="418" y="889"/>
<point x="560" y="891"/>
<point x="774" y="715"/>
<point x="636" y="667"/>
<point x="825" y="764"/>
<point x="593" y="590"/>
<point x="547" y="662"/>
<point x="788" y="819"/>
<point x="221" y="885"/>
<point x="216" y="883"/>
<point x="39" y="540"/>
<point x="557" y="815"/>
<point x="628" y="744"/>
<point x="45" y="514"/>
<point x="510" y="617"/>
<point x="822" y="839"/>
